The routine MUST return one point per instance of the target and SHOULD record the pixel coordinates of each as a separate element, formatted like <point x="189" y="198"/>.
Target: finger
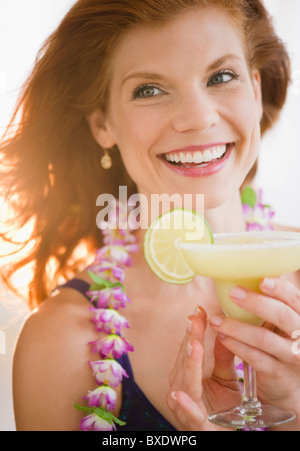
<point x="269" y="309"/>
<point x="185" y="409"/>
<point x="188" y="377"/>
<point x="193" y="371"/>
<point x="196" y="326"/>
<point x="283" y="290"/>
<point x="193" y="363"/>
<point x="224" y="367"/>
<point x="260" y="338"/>
<point x="259" y="360"/>
<point x="192" y="415"/>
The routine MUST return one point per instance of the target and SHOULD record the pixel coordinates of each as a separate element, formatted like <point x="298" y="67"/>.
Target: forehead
<point x="199" y="35"/>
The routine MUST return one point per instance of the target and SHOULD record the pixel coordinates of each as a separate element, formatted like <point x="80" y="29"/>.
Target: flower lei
<point x="107" y="296"/>
<point x="258" y="216"/>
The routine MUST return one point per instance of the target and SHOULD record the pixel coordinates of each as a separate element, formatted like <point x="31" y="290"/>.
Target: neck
<point x="229" y="217"/>
<point x="224" y="219"/>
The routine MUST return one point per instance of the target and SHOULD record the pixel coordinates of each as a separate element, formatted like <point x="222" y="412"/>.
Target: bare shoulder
<point x="51" y="368"/>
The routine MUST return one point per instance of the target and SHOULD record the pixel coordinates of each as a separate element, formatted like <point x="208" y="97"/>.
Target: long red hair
<point x="50" y="168"/>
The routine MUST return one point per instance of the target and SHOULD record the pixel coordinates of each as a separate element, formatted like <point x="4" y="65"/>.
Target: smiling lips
<point x="197" y="157"/>
<point x="197" y="161"/>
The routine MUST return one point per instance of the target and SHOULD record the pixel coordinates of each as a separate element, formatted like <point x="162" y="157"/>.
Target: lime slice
<point x="162" y="239"/>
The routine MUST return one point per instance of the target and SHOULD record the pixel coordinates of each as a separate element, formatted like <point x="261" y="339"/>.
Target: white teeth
<point x="214" y="154"/>
<point x="207" y="156"/>
<point x="221" y="151"/>
<point x="197" y="157"/>
<point x="182" y="158"/>
<point x="189" y="158"/>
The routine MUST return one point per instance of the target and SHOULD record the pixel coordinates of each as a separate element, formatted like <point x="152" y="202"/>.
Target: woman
<point x="149" y="80"/>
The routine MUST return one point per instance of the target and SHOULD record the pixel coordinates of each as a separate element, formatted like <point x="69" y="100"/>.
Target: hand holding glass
<point x="243" y="260"/>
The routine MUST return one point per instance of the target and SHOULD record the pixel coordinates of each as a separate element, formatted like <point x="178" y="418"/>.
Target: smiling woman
<point x="54" y="111"/>
<point x="178" y="92"/>
<point x="179" y="108"/>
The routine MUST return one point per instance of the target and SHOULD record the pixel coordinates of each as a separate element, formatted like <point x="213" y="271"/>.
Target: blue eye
<point x="222" y="77"/>
<point x="146" y="92"/>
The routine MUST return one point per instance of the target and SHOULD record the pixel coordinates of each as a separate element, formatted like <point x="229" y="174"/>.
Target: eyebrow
<point x="156" y="77"/>
<point x="144" y="75"/>
<point x="224" y="59"/>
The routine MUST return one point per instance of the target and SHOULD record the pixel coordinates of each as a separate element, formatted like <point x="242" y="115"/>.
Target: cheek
<point x="137" y="128"/>
<point x="246" y="115"/>
<point x="135" y="135"/>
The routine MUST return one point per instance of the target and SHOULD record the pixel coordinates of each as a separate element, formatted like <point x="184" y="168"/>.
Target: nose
<point x="195" y="111"/>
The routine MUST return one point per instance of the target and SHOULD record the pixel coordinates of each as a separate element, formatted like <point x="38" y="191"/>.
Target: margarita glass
<point x="243" y="260"/>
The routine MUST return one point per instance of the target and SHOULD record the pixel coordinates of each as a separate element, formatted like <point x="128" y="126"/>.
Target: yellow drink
<point x="243" y="260"/>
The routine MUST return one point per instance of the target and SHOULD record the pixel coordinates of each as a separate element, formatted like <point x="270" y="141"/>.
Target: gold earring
<point x="106" y="161"/>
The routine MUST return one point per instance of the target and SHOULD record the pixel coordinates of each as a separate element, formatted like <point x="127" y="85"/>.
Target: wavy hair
<point x="50" y="170"/>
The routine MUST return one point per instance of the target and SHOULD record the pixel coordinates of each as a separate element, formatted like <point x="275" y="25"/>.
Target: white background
<point x="279" y="173"/>
<point x="25" y="24"/>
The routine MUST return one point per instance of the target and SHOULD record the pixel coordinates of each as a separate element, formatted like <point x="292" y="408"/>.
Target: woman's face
<point x="184" y="110"/>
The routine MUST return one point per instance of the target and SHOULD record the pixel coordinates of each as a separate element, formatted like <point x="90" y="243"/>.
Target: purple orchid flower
<point x="108" y="320"/>
<point x="112" y="345"/>
<point x="108" y="270"/>
<point x="259" y="217"/>
<point x="104" y="396"/>
<point x="117" y="229"/>
<point x="108" y="372"/>
<point x="120" y="254"/>
<point x="109" y="298"/>
<point x="93" y="422"/>
<point x="118" y="236"/>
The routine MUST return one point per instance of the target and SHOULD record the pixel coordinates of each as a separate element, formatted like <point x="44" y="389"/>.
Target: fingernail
<point x="221" y="336"/>
<point x="238" y="293"/>
<point x="268" y="284"/>
<point x="199" y="311"/>
<point x="215" y="321"/>
<point x="173" y="394"/>
<point x="189" y="326"/>
<point x="189" y="349"/>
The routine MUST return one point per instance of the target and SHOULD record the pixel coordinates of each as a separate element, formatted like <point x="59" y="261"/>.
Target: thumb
<point x="224" y="368"/>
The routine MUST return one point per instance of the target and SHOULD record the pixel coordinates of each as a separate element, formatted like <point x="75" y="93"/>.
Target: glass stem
<point x="250" y="394"/>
